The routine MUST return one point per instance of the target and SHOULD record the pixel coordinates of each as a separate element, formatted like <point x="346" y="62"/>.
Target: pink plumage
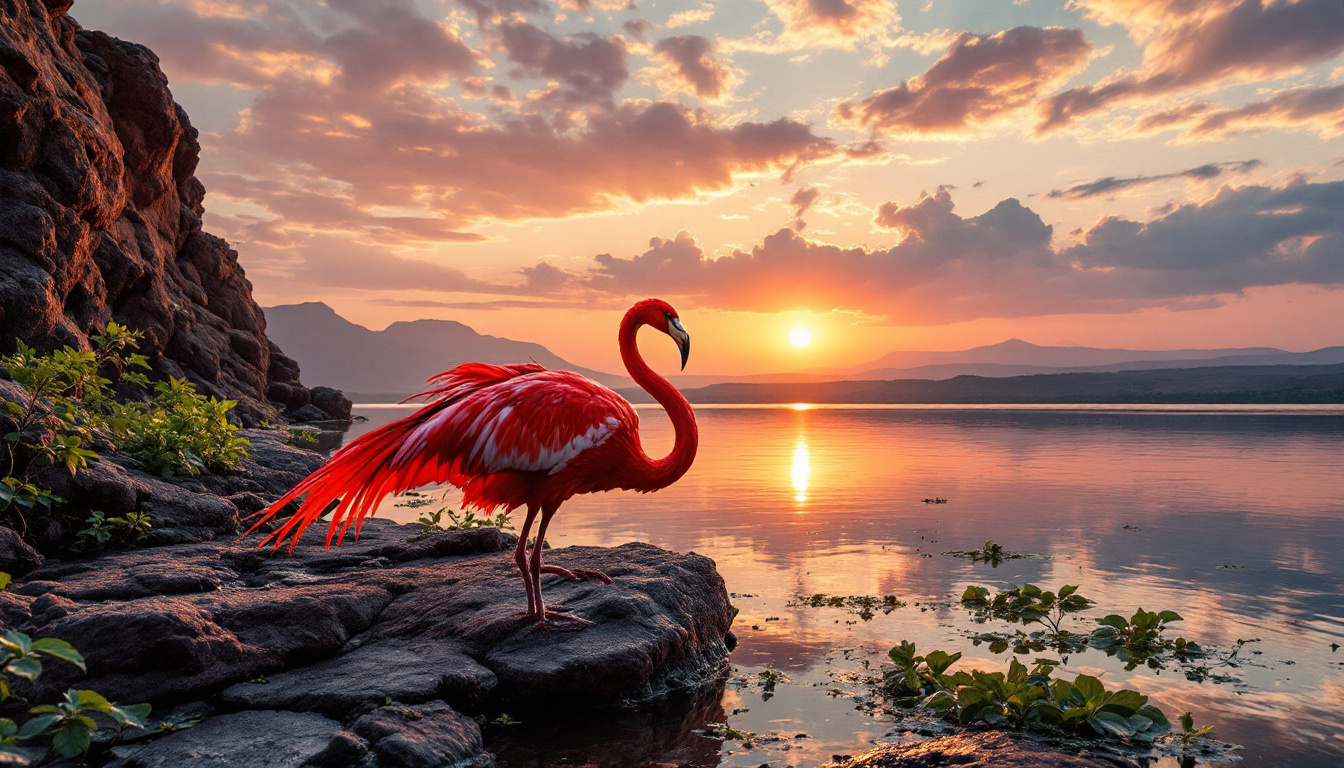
<point x="508" y="436"/>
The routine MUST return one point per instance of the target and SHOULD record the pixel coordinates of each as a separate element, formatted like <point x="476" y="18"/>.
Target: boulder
<point x="253" y="739"/>
<point x="333" y="402"/>
<point x="16" y="557"/>
<point x="335" y="632"/>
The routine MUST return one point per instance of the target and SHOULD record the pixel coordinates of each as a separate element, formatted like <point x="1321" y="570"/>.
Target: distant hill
<point x="1226" y="384"/>
<point x="388" y="365"/>
<point x="1016" y="352"/>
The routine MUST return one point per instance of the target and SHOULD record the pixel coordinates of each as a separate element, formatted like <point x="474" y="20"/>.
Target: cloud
<point x="834" y="23"/>
<point x="370" y="119"/>
<point x="802" y="201"/>
<point x="693" y="16"/>
<point x="981" y="79"/>
<point x="1190" y="44"/>
<point x="589" y="68"/>
<point x="1316" y="109"/>
<point x="1113" y="184"/>
<point x="1005" y="263"/>
<point x="694" y="67"/>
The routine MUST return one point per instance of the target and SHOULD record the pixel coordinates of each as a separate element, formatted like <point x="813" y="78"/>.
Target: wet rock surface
<point x="976" y="750"/>
<point x="322" y="641"/>
<point x="100" y="216"/>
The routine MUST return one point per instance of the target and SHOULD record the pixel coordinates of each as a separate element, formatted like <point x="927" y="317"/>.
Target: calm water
<point x="1234" y="519"/>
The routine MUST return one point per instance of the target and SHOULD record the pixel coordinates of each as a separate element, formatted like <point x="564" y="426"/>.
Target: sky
<point x="930" y="174"/>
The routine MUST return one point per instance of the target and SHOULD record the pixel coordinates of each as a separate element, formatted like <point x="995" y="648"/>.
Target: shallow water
<point x="1233" y="517"/>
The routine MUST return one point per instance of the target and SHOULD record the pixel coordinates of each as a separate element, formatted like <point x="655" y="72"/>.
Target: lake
<point x="1232" y="516"/>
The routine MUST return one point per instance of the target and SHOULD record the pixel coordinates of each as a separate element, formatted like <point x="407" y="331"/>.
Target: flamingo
<point x="508" y="436"/>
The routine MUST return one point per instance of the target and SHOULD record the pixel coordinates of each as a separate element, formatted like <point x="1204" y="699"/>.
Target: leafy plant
<point x="180" y="432"/>
<point x="301" y="438"/>
<point x="863" y="606"/>
<point x="975" y="596"/>
<point x="69" y="723"/>
<point x="432" y="522"/>
<point x="1189" y="735"/>
<point x="1029" y="604"/>
<point x="990" y="552"/>
<point x="1139" y="639"/>
<point x="1020" y="697"/>
<point x="125" y="531"/>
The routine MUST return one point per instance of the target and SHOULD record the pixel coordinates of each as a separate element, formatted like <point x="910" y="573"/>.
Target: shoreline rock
<point x="329" y="637"/>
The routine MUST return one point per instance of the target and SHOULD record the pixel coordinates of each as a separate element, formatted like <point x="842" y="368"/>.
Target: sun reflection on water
<point x="802" y="472"/>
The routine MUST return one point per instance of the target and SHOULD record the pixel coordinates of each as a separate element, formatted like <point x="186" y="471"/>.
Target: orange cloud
<point x="834" y="23"/>
<point x="695" y="67"/>
<point x="1190" y="44"/>
<point x="1004" y="262"/>
<point x="1316" y="109"/>
<point x="981" y="79"/>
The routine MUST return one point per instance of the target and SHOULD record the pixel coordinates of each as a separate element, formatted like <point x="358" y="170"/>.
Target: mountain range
<point x="388" y="365"/>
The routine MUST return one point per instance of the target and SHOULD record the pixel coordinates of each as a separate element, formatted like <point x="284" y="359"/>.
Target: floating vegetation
<point x="1020" y="698"/>
<point x="991" y="553"/>
<point x="863" y="606"/>
<point x="934" y="500"/>
<point x="1139" y="639"/>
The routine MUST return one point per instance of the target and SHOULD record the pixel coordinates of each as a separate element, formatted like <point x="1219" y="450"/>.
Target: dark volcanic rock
<point x="252" y="739"/>
<point x="100" y="215"/>
<point x="425" y="736"/>
<point x="975" y="750"/>
<point x="16" y="557"/>
<point x="333" y="402"/>
<point x="341" y="630"/>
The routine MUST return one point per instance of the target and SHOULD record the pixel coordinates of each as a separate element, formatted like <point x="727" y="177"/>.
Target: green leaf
<point x="1114" y="620"/>
<point x="27" y="667"/>
<point x="59" y="649"/>
<point x="93" y="700"/>
<point x="1125" y="702"/>
<point x="1109" y="722"/>
<point x="1093" y="692"/>
<point x="1067" y="590"/>
<point x="72" y="740"/>
<point x="1187" y="722"/>
<point x="1169" y="616"/>
<point x="37" y="726"/>
<point x="5" y="578"/>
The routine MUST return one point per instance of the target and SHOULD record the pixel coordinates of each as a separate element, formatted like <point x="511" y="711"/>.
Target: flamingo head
<point x="664" y="317"/>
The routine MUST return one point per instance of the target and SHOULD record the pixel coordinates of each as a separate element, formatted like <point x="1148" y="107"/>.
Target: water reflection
<point x="1232" y="519"/>
<point x="802" y="472"/>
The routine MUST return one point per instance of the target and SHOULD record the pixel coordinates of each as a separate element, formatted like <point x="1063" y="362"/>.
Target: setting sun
<point x="800" y="337"/>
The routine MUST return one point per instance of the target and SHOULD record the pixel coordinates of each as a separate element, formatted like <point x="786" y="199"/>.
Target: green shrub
<point x="180" y="432"/>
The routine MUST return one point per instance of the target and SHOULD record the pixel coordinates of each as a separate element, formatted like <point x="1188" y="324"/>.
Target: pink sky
<point x="930" y="174"/>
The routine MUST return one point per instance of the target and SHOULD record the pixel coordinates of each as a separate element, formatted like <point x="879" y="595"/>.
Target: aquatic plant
<point x="301" y="438"/>
<point x="863" y="606"/>
<point x="990" y="552"/>
<point x="1139" y="639"/>
<point x="1019" y="698"/>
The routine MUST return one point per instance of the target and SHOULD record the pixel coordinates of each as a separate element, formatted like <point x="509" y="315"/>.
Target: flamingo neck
<point x="660" y="473"/>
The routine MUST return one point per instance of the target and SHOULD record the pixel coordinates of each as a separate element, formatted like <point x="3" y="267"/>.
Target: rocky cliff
<point x="100" y="215"/>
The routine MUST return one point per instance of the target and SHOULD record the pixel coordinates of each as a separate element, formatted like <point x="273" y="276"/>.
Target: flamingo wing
<point x="488" y="421"/>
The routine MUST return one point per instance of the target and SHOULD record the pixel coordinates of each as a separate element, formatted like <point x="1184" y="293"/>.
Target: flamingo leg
<point x="520" y="557"/>
<point x="542" y="614"/>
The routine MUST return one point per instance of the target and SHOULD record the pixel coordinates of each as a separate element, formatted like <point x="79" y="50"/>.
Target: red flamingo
<point x="508" y="436"/>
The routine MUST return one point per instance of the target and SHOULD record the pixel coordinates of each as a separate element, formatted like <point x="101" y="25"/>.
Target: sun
<point x="800" y="337"/>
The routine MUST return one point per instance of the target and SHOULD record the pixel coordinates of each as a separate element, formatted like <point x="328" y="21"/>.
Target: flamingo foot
<point x="559" y="615"/>
<point x="576" y="574"/>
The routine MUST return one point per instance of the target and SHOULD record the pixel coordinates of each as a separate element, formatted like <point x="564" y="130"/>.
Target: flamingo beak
<point x="681" y="337"/>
